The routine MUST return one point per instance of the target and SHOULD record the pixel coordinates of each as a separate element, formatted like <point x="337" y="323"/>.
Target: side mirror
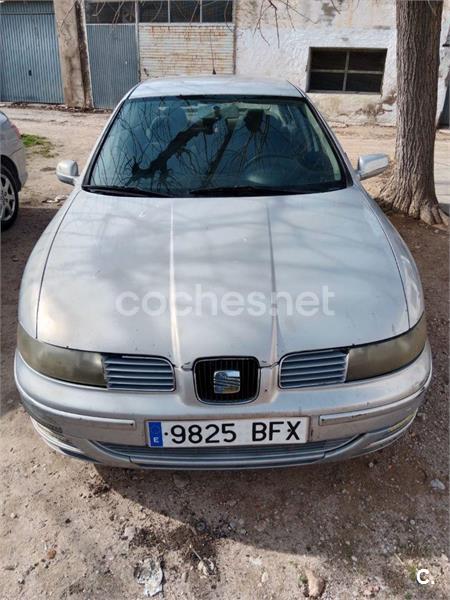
<point x="67" y="171"/>
<point x="370" y="165"/>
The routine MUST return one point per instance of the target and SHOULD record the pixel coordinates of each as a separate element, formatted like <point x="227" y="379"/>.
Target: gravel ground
<point x="349" y="530"/>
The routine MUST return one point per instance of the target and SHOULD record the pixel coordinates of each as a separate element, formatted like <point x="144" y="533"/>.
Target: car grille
<point x="248" y="368"/>
<point x="323" y="367"/>
<point x="145" y="373"/>
<point x="308" y="451"/>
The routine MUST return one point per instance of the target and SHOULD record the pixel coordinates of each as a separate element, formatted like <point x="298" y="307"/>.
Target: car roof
<point x="215" y="84"/>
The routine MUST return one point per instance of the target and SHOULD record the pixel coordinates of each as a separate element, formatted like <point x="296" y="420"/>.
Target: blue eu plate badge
<point x="155" y="434"/>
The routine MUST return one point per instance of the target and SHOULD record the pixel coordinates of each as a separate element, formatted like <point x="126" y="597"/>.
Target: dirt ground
<point x="360" y="528"/>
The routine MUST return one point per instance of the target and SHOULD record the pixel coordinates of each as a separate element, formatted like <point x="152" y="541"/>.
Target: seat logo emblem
<point x="227" y="382"/>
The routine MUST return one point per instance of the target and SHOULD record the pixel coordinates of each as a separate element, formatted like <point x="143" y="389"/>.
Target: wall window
<point x="155" y="11"/>
<point x="217" y="11"/>
<point x="110" y="12"/>
<point x="160" y="11"/>
<point x="186" y="11"/>
<point x="342" y="70"/>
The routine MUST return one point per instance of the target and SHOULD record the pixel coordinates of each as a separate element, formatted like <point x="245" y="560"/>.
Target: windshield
<point x="176" y="146"/>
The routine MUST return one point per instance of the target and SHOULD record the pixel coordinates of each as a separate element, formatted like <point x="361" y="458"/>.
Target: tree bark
<point x="411" y="188"/>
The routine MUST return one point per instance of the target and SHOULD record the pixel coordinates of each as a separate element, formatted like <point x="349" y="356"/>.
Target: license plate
<point x="241" y="432"/>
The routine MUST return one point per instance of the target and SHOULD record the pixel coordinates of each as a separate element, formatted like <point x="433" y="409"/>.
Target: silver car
<point x="13" y="173"/>
<point x="219" y="291"/>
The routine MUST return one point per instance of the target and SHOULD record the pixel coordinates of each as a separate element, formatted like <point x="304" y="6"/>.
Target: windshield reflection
<point x="173" y="146"/>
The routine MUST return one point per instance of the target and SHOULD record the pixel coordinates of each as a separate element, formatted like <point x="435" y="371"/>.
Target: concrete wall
<point x="72" y="53"/>
<point x="261" y="49"/>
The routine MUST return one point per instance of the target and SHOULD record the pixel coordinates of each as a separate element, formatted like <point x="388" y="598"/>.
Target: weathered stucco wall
<point x="264" y="49"/>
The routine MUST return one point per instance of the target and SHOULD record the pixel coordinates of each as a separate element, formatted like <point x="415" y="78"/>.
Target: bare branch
<point x="268" y="7"/>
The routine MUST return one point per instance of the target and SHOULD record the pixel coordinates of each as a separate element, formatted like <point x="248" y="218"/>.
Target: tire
<point x="9" y="198"/>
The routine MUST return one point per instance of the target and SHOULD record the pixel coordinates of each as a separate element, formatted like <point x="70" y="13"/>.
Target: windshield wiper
<point x="244" y="190"/>
<point x="115" y="190"/>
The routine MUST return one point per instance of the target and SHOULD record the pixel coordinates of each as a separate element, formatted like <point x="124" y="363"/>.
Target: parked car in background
<point x="201" y="190"/>
<point x="13" y="174"/>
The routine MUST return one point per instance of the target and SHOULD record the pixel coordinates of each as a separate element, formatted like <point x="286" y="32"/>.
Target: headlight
<point x="75" y="366"/>
<point x="385" y="357"/>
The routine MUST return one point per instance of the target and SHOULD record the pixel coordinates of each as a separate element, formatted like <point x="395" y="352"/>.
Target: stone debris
<point x="206" y="567"/>
<point x="202" y="568"/>
<point x="200" y="526"/>
<point x="55" y="200"/>
<point x="181" y="480"/>
<point x="128" y="533"/>
<point x="437" y="484"/>
<point x="149" y="573"/>
<point x="316" y="585"/>
<point x="371" y="591"/>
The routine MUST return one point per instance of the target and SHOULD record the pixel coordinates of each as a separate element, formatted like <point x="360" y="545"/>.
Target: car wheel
<point x="9" y="198"/>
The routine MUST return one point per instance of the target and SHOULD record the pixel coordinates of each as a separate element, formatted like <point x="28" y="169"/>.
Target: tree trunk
<point x="411" y="188"/>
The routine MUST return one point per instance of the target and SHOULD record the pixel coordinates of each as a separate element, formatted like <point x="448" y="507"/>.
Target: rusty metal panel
<point x="29" y="57"/>
<point x="167" y="50"/>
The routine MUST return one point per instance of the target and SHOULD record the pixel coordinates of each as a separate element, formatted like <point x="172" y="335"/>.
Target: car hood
<point x="123" y="275"/>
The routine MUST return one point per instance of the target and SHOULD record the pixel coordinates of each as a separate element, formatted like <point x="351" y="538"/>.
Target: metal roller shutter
<point x="29" y="57"/>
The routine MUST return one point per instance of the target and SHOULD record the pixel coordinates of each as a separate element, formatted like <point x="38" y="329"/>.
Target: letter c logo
<point x="422" y="576"/>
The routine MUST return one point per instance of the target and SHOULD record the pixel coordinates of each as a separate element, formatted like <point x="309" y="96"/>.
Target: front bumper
<point x="108" y="427"/>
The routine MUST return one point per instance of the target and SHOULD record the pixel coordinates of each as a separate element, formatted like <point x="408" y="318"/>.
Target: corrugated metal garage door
<point x="113" y="62"/>
<point x="185" y="49"/>
<point x="30" y="69"/>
